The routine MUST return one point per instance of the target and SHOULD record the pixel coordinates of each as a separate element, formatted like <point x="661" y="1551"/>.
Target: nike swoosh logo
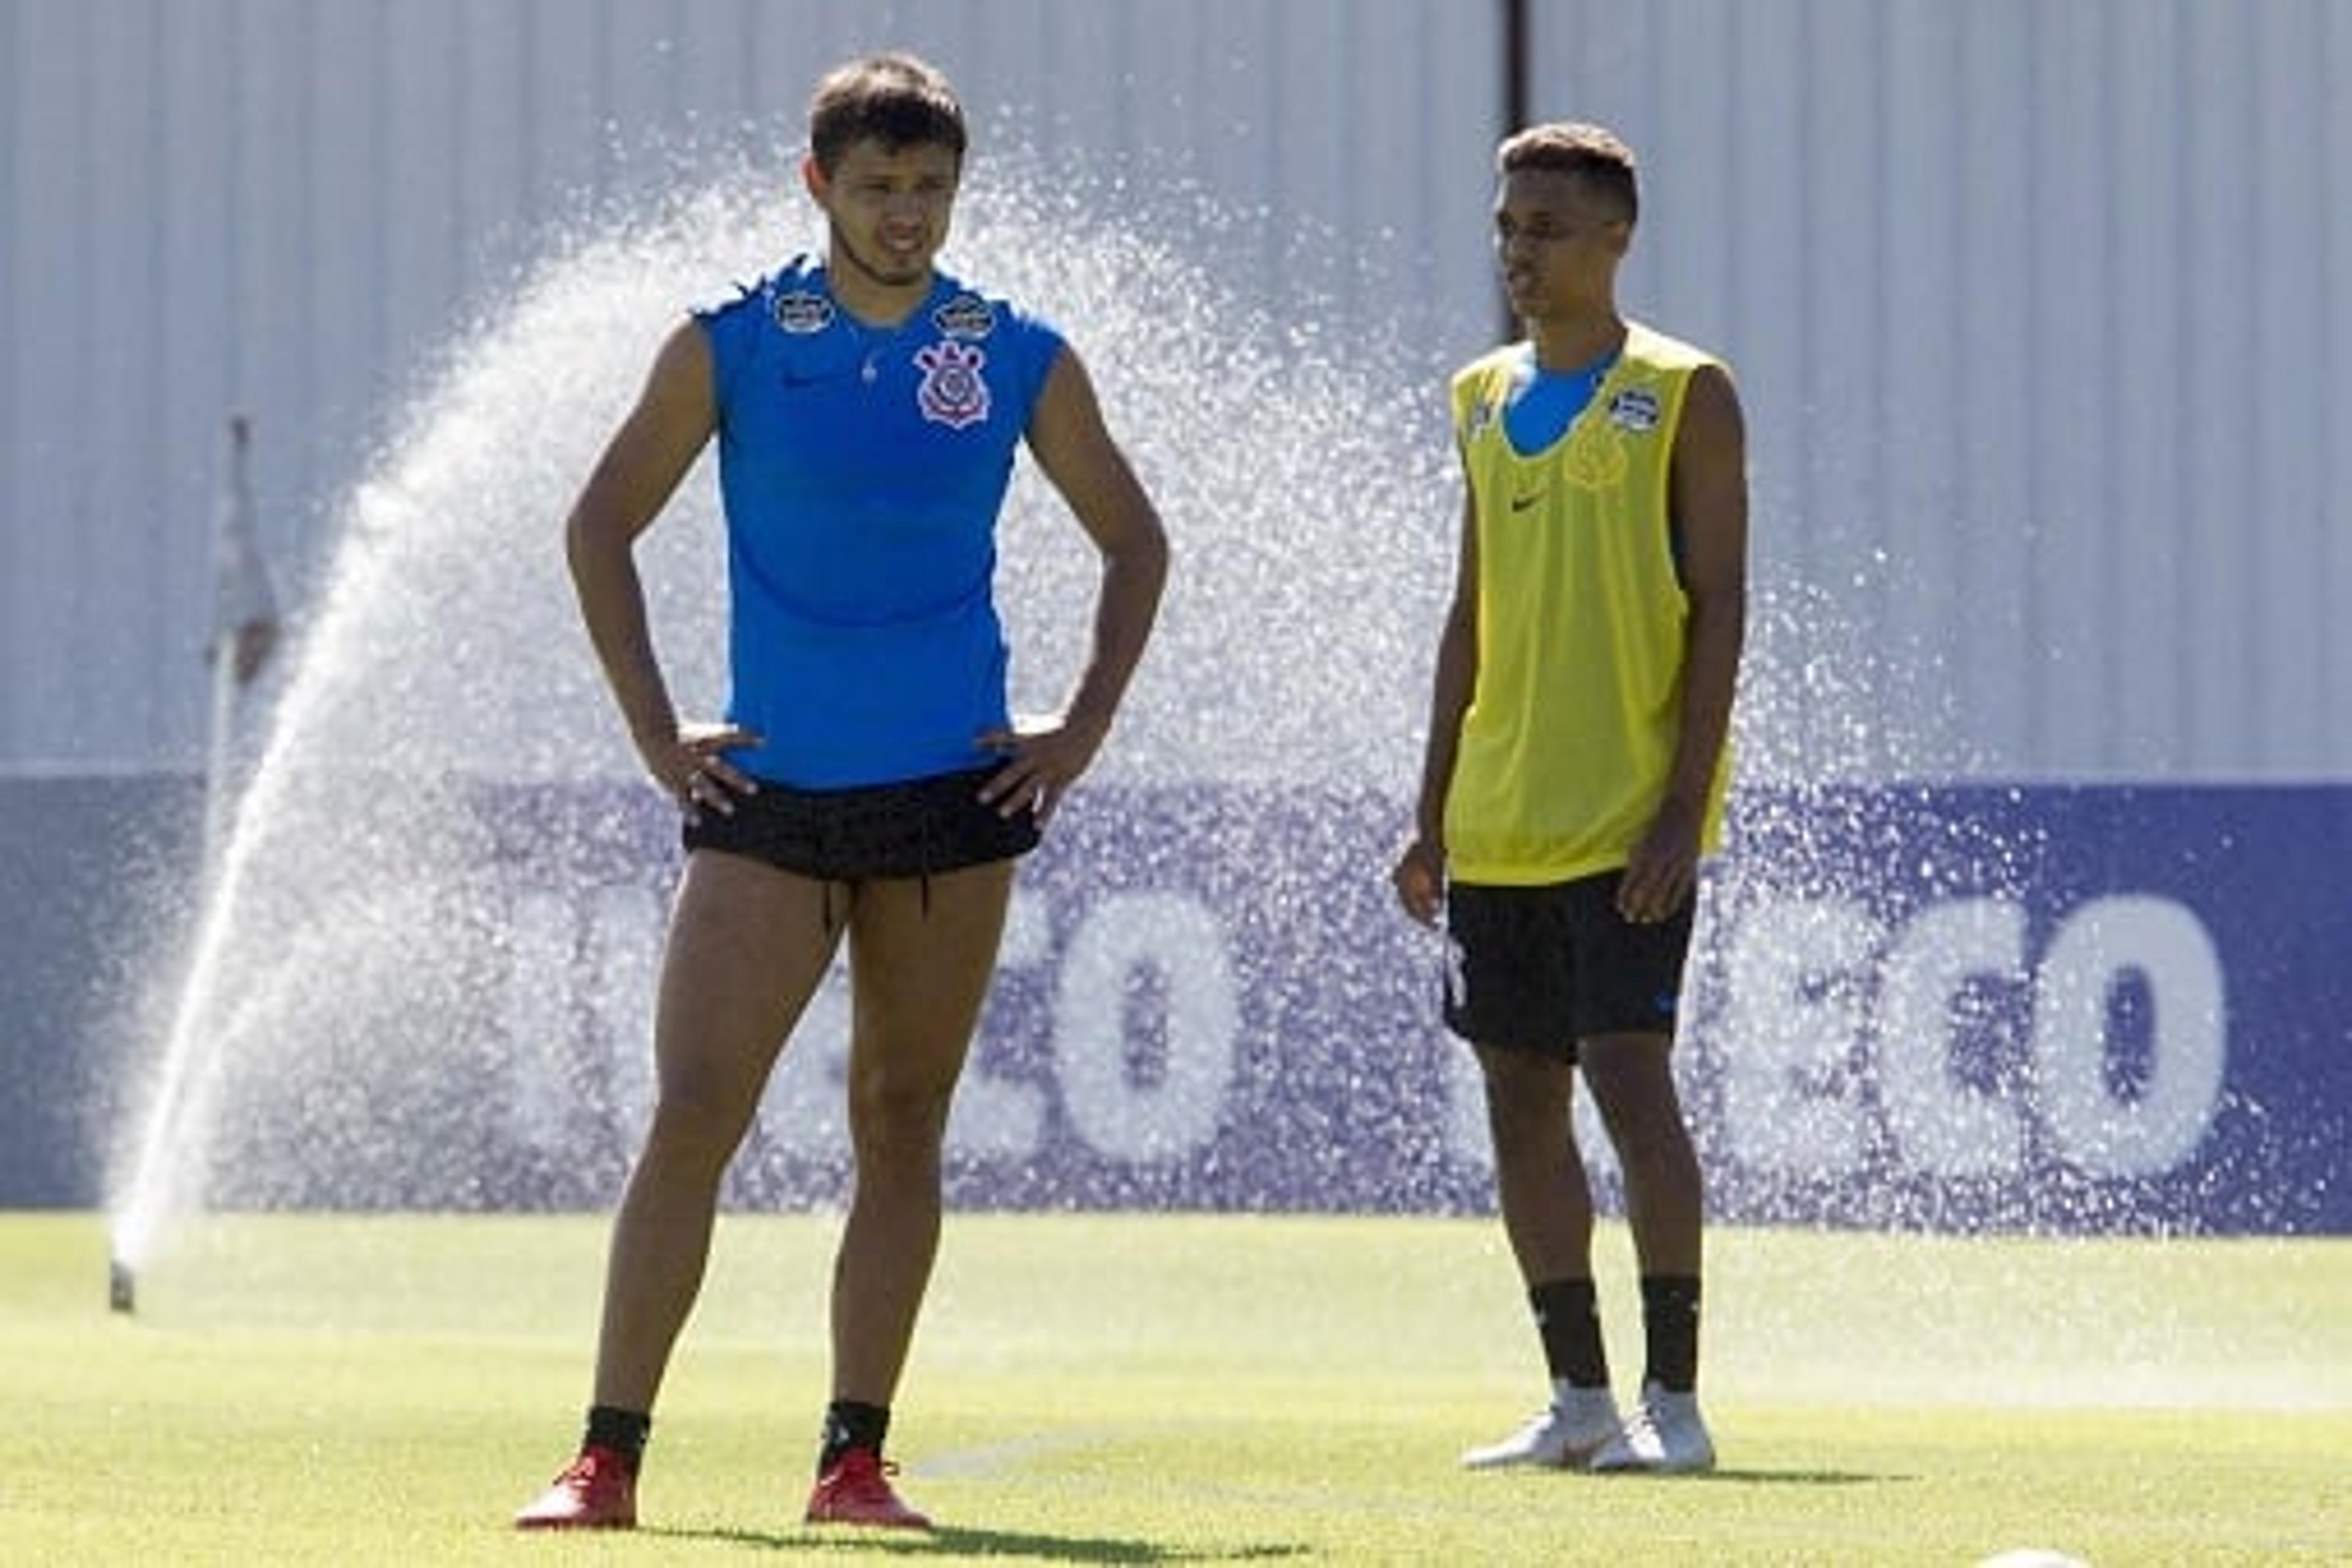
<point x="1521" y="503"/>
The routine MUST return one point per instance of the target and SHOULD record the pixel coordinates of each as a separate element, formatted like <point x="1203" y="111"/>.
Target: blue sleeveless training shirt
<point x="862" y="471"/>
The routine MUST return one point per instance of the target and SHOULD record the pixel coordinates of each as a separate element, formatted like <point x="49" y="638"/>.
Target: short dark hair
<point x="1591" y="153"/>
<point x="894" y="98"/>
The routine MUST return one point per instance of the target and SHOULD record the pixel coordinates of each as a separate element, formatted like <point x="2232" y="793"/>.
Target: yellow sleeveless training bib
<point x="1572" y="725"/>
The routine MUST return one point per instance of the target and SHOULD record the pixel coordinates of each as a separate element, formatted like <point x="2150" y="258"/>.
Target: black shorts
<point x="1541" y="968"/>
<point x="920" y="828"/>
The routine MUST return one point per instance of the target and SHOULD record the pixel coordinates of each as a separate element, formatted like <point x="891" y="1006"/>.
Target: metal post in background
<point x="1517" y="49"/>
<point x="245" y="631"/>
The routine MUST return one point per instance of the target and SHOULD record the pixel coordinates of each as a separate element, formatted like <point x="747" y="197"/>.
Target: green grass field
<point x="1175" y="1389"/>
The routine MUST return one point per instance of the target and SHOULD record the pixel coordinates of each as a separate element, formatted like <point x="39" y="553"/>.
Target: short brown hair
<point x="1591" y="153"/>
<point x="894" y="98"/>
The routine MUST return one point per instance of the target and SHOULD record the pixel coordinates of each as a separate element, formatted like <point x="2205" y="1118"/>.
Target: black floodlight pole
<point x="1516" y="69"/>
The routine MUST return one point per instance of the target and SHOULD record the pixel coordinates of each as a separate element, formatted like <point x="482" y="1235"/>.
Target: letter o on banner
<point x="1180" y="1112"/>
<point x="2153" y="1132"/>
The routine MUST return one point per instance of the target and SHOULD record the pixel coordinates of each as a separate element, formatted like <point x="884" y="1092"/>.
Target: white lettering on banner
<point x="996" y="1118"/>
<point x="1830" y="1023"/>
<point x="1799" y="1037"/>
<point x="1176" y="1107"/>
<point x="535" y="1010"/>
<point x="804" y="1112"/>
<point x="622" y="957"/>
<point x="1794" y="1036"/>
<point x="1468" y="1140"/>
<point x="583" y="969"/>
<point x="2162" y="1124"/>
<point x="1942" y="1126"/>
<point x="576" y="968"/>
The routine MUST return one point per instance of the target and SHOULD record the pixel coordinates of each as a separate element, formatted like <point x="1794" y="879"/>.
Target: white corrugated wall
<point x="286" y="207"/>
<point x="2036" y="305"/>
<point x="2039" y="308"/>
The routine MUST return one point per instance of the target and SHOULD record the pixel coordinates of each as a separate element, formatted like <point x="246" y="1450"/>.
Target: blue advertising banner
<point x="2066" y="1009"/>
<point x="2112" y="1009"/>
<point x="2109" y="1009"/>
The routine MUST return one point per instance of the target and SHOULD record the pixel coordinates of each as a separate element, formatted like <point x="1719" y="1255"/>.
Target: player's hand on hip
<point x="1043" y="758"/>
<point x="692" y="768"/>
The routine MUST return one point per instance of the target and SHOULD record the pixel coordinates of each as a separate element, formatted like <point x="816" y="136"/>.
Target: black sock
<point x="1567" y="1316"/>
<point x="623" y="1431"/>
<point x="849" y="1424"/>
<point x="1670" y="1327"/>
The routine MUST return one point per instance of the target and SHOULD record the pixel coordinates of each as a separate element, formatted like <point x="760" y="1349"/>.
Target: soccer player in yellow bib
<point x="1576" y="770"/>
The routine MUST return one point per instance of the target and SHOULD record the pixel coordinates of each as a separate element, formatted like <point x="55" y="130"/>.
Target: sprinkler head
<point x="121" y="1285"/>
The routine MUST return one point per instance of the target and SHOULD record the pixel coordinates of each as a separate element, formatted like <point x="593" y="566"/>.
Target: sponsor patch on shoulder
<point x="1634" y="409"/>
<point x="803" y="312"/>
<point x="1482" y="418"/>
<point x="965" y="316"/>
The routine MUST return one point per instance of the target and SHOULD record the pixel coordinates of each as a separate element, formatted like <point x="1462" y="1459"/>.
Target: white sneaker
<point x="1563" y="1436"/>
<point x="1664" y="1433"/>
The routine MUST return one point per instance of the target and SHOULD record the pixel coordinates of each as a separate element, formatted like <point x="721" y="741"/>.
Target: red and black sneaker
<point x="857" y="1490"/>
<point x="598" y="1490"/>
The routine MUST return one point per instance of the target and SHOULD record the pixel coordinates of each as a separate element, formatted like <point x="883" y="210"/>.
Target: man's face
<point x="889" y="207"/>
<point x="1558" y="242"/>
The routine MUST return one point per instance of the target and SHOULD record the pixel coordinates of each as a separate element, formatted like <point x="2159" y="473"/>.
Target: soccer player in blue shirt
<point x="867" y="779"/>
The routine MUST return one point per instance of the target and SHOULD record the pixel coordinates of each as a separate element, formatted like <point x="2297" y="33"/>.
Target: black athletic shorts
<point x="1541" y="968"/>
<point x="918" y="828"/>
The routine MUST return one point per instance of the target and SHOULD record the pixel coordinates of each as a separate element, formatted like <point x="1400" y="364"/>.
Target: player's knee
<point x="888" y="1111"/>
<point x="695" y="1120"/>
<point x="1658" y="1146"/>
<point x="1636" y="1118"/>
<point x="1525" y="1125"/>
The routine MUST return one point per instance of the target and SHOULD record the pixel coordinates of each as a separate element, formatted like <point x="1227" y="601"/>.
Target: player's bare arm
<point x="640" y="469"/>
<point x="1074" y="449"/>
<point x="1709" y="497"/>
<point x="1419" y="874"/>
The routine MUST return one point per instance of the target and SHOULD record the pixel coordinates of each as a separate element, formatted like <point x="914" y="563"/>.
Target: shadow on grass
<point x="1774" y="1477"/>
<point x="1006" y="1543"/>
<point x="1539" y="1479"/>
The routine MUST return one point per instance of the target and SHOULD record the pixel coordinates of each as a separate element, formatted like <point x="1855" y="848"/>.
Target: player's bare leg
<point x="1539" y="1182"/>
<point x="1633" y="1084"/>
<point x="748" y="946"/>
<point x="921" y="958"/>
<point x="1547" y="1205"/>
